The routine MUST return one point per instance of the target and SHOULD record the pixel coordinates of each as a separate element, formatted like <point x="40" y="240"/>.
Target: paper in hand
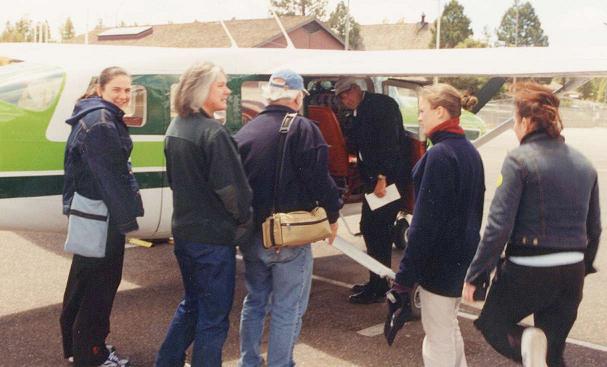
<point x="375" y="202"/>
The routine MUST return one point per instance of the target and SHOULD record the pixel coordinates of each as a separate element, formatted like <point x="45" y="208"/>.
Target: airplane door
<point x="150" y="107"/>
<point x="405" y="93"/>
<point x="166" y="87"/>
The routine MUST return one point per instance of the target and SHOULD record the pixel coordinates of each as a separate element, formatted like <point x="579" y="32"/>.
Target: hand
<point x="380" y="188"/>
<point x="399" y="311"/>
<point x="468" y="292"/>
<point x="333" y="233"/>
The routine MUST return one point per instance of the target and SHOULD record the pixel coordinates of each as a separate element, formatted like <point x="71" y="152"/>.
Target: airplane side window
<point x="30" y="87"/>
<point x="252" y="101"/>
<point x="135" y="114"/>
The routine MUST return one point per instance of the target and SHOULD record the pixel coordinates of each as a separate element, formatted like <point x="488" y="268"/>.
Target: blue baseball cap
<point x="288" y="80"/>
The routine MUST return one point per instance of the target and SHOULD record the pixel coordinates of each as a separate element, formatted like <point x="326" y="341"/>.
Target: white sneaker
<point x="534" y="347"/>
<point x="113" y="360"/>
<point x="110" y="348"/>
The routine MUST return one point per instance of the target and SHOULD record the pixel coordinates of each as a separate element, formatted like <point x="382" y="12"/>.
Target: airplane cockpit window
<point x="407" y="102"/>
<point x="252" y="101"/>
<point x="135" y="114"/>
<point x="30" y="87"/>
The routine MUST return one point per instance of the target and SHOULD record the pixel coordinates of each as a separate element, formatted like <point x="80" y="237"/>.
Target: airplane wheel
<point x="416" y="303"/>
<point x="401" y="228"/>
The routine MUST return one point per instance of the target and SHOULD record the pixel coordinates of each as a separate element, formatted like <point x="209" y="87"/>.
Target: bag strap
<point x="284" y="129"/>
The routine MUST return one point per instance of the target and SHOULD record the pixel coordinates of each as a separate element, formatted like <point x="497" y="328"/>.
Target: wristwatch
<point x="381" y="177"/>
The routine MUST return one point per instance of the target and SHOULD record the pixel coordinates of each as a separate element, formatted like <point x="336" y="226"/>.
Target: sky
<point x="567" y="23"/>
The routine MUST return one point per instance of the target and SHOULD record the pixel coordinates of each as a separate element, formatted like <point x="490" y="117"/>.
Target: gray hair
<point x="194" y="87"/>
<point x="273" y="94"/>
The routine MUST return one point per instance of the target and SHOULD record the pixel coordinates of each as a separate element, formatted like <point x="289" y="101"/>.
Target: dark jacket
<point x="548" y="202"/>
<point x="211" y="196"/>
<point x="377" y="138"/>
<point x="96" y="162"/>
<point x="444" y="233"/>
<point x="305" y="179"/>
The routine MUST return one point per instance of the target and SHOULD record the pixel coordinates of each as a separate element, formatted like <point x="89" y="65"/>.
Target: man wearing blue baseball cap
<point x="278" y="282"/>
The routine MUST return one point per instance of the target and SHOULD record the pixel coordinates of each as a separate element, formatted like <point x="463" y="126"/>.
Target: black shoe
<point x="366" y="297"/>
<point x="357" y="288"/>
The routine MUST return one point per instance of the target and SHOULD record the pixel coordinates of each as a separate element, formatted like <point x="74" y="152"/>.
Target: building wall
<point x="303" y="39"/>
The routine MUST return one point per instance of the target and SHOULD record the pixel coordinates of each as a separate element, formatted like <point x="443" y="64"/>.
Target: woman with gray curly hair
<point x="211" y="200"/>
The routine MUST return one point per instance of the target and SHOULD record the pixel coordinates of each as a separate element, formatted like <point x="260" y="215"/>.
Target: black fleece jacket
<point x="211" y="195"/>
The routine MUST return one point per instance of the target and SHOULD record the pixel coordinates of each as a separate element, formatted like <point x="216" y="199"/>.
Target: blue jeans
<point x="208" y="273"/>
<point x="278" y="284"/>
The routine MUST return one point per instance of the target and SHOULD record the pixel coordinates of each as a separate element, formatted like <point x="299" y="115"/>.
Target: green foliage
<point x="315" y="8"/>
<point x="530" y="32"/>
<point x="337" y="22"/>
<point x="586" y="90"/>
<point x="601" y="90"/>
<point x="471" y="43"/>
<point x="67" y="30"/>
<point x="454" y="27"/>
<point x="595" y="90"/>
<point x="21" y="31"/>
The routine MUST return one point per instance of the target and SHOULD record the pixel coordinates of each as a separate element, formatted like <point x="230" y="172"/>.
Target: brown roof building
<point x="305" y="32"/>
<point x="396" y="36"/>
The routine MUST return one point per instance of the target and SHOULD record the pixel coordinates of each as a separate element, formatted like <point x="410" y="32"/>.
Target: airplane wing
<point x="363" y="259"/>
<point x="506" y="62"/>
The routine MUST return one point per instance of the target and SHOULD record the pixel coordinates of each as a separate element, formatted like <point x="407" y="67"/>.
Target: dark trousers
<point x="208" y="272"/>
<point x="551" y="294"/>
<point x="376" y="227"/>
<point x="87" y="303"/>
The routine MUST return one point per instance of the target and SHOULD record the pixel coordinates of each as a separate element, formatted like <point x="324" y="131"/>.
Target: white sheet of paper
<point x="377" y="202"/>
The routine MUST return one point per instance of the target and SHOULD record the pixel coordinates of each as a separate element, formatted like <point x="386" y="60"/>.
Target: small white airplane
<point x="39" y="87"/>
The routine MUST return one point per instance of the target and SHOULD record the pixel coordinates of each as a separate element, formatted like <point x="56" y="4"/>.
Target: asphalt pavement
<point x="34" y="268"/>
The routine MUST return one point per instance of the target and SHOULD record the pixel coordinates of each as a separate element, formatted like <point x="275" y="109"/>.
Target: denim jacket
<point x="547" y="200"/>
<point x="96" y="162"/>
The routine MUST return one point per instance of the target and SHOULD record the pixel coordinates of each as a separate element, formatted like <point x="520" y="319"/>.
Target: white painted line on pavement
<point x="378" y="329"/>
<point x="374" y="330"/>
<point x="331" y="281"/>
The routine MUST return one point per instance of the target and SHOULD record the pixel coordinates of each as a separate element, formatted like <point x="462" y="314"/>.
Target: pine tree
<point x="530" y="32"/>
<point x="337" y="22"/>
<point x="454" y="27"/>
<point x="315" y="8"/>
<point x="67" y="30"/>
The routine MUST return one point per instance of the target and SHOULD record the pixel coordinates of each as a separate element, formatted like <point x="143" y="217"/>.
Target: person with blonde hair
<point x="546" y="212"/>
<point x="211" y="202"/>
<point x="444" y="233"/>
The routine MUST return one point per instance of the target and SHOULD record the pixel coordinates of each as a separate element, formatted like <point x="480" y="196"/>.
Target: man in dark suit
<point x="377" y="138"/>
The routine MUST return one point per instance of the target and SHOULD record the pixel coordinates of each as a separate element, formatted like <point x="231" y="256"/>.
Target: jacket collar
<point x="87" y="105"/>
<point x="538" y="135"/>
<point x="448" y="128"/>
<point x="277" y="108"/>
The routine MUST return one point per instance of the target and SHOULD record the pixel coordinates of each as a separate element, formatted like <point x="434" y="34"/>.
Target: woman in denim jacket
<point x="546" y="209"/>
<point x="97" y="167"/>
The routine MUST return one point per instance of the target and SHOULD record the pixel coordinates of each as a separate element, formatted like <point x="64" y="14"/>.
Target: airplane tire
<point x="401" y="226"/>
<point x="416" y="304"/>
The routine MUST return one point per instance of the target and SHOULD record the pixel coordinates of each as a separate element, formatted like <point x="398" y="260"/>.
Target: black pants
<point x="551" y="294"/>
<point x="87" y="303"/>
<point x="377" y="229"/>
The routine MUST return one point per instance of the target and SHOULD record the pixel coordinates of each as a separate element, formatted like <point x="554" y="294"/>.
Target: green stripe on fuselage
<point x="32" y="186"/>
